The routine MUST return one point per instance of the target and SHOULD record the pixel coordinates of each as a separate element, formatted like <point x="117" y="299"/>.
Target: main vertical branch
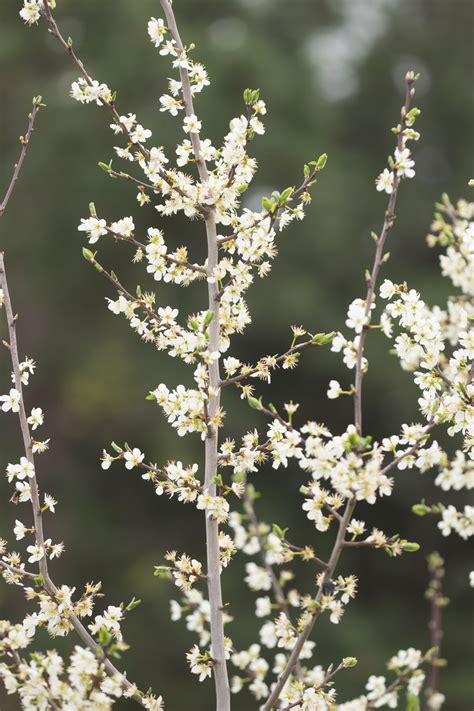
<point x="212" y="527"/>
<point x="212" y="437"/>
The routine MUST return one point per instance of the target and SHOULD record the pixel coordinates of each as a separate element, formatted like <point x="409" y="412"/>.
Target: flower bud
<point x="420" y="509"/>
<point x="349" y="662"/>
<point x="254" y="403"/>
<point x="409" y="547"/>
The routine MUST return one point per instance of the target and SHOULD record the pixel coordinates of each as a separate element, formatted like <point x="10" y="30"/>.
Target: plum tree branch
<point x="339" y="543"/>
<point x="25" y="141"/>
<point x="47" y="582"/>
<point x="218" y="652"/>
<point x="378" y="261"/>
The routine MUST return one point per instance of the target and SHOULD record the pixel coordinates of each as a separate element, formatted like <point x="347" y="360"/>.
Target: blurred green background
<point x="332" y="73"/>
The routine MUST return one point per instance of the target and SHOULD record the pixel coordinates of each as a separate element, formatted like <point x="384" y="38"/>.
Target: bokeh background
<point x="332" y="73"/>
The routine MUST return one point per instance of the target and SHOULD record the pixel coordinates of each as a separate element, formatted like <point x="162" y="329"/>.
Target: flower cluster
<point x="401" y="164"/>
<point x="31" y="11"/>
<point x="87" y="92"/>
<point x="184" y="570"/>
<point x="45" y="680"/>
<point x="438" y="347"/>
<point x="409" y="677"/>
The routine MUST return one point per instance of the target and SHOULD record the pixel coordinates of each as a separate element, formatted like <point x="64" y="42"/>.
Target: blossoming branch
<point x="344" y="471"/>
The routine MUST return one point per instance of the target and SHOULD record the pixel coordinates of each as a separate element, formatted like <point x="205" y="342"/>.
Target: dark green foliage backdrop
<point x="332" y="75"/>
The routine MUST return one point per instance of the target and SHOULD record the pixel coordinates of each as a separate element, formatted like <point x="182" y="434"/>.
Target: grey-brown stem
<point x="438" y="601"/>
<point x="305" y="633"/>
<point x="212" y="527"/>
<point x="25" y="430"/>
<point x="378" y="261"/>
<point x="221" y="679"/>
<point x="48" y="584"/>
<point x="339" y="543"/>
<point x="25" y="141"/>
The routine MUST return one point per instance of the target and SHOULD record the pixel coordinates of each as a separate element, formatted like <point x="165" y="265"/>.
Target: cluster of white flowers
<point x="401" y="164"/>
<point x="354" y="466"/>
<point x="45" y="680"/>
<point x="196" y="611"/>
<point x="22" y="475"/>
<point x="438" y="346"/>
<point x="310" y="693"/>
<point x="281" y="633"/>
<point x="174" y="479"/>
<point x="256" y="669"/>
<point x="460" y="521"/>
<point x="200" y="663"/>
<point x="87" y="92"/>
<point x="31" y="11"/>
<point x="184" y="570"/>
<point x="184" y="408"/>
<point x="86" y="684"/>
<point x="349" y="350"/>
<point x="456" y="474"/>
<point x="409" y="677"/>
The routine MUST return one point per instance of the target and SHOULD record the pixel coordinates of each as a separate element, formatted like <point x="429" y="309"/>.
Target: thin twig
<point x="25" y="430"/>
<point x="68" y="47"/>
<point x="167" y="177"/>
<point x="109" y="105"/>
<point x="274" y="415"/>
<point x="273" y="215"/>
<point x="388" y="468"/>
<point x="379" y="255"/>
<point x="27" y="440"/>
<point x="18" y="571"/>
<point x="186" y="89"/>
<point x="25" y="141"/>
<point x="277" y="359"/>
<point x="325" y="682"/>
<point x="358" y="544"/>
<point x="437" y="601"/>
<point x="314" y="558"/>
<point x="165" y="257"/>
